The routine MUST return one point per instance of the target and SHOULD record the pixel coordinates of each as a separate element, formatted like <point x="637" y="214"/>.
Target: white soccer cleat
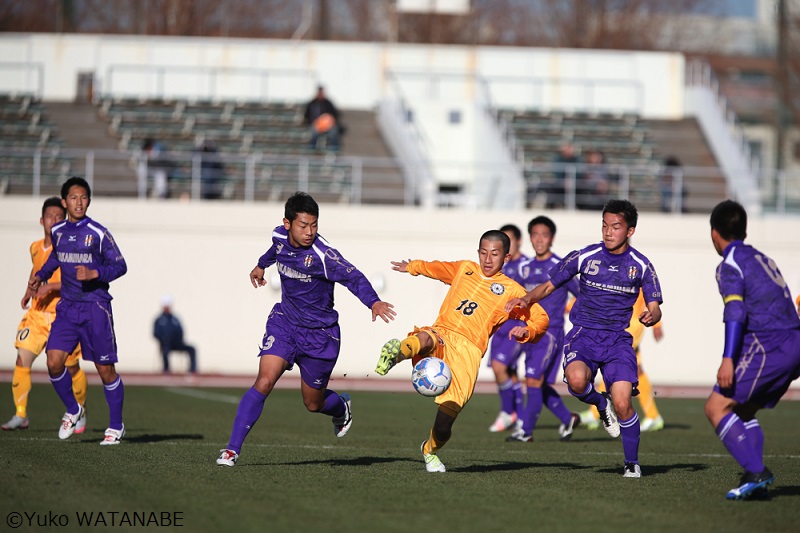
<point x="113" y="436"/>
<point x="652" y="424"/>
<point x="16" y="422"/>
<point x="432" y="462"/>
<point x="227" y="458"/>
<point x="631" y="470"/>
<point x="608" y="417"/>
<point x="565" y="431"/>
<point x="341" y="425"/>
<point x="69" y="422"/>
<point x="503" y="422"/>
<point x="80" y="426"/>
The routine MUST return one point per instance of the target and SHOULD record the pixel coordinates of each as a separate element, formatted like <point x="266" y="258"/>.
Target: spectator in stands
<point x="594" y="185"/>
<point x="562" y="170"/>
<point x="671" y="177"/>
<point x="212" y="173"/>
<point x="158" y="168"/>
<point x="169" y="332"/>
<point x="322" y="118"/>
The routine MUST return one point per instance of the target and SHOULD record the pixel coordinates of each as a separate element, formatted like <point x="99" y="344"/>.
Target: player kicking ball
<point x="472" y="310"/>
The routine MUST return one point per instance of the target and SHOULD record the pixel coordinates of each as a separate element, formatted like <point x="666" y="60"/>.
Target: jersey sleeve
<point x="566" y="269"/>
<point x="444" y="271"/>
<point x="536" y="321"/>
<point x="49" y="267"/>
<point x="731" y="287"/>
<point x="114" y="265"/>
<point x="268" y="259"/>
<point x="651" y="288"/>
<point x="341" y="271"/>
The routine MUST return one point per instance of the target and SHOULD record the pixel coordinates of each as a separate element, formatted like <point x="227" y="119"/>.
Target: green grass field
<point x="294" y="475"/>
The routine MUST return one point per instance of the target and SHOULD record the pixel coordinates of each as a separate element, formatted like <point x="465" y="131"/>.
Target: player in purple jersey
<point x="303" y="327"/>
<point x="543" y="359"/>
<point x="89" y="260"/>
<point x="761" y="356"/>
<point x="504" y="352"/>
<point x="611" y="274"/>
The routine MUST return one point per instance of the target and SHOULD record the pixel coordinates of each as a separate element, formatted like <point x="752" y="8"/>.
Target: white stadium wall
<point x="202" y="253"/>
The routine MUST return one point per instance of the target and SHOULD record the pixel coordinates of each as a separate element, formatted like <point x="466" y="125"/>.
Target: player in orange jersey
<point x="34" y="329"/>
<point x="472" y="311"/>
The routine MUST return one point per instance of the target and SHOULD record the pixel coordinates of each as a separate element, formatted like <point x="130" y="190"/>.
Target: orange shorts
<point x="464" y="360"/>
<point x="33" y="331"/>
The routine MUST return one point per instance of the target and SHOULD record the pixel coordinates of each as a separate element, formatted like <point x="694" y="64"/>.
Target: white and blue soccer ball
<point x="431" y="376"/>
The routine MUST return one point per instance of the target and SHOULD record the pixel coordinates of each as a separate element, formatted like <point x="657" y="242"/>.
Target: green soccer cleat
<point x="388" y="357"/>
<point x="432" y="462"/>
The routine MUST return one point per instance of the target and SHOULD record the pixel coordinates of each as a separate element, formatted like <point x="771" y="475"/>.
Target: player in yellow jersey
<point x="34" y="329"/>
<point x="472" y="311"/>
<point x="652" y="418"/>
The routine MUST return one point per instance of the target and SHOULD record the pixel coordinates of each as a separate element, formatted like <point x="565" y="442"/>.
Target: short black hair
<point x="497" y="235"/>
<point x="542" y="220"/>
<point x="729" y="218"/>
<point x="73" y="181"/>
<point x="300" y="202"/>
<point x="53" y="201"/>
<point x="624" y="208"/>
<point x="513" y="229"/>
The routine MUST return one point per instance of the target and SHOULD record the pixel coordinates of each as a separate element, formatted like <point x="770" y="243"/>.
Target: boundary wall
<point x="201" y="253"/>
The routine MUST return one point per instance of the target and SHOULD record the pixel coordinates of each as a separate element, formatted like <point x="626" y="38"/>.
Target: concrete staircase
<point x="685" y="140"/>
<point x="382" y="178"/>
<point x="81" y="129"/>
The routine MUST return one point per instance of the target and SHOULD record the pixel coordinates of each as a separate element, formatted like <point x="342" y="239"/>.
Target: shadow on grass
<point x="651" y="470"/>
<point x="148" y="438"/>
<point x="790" y="490"/>
<point x="514" y="465"/>
<point x="353" y="461"/>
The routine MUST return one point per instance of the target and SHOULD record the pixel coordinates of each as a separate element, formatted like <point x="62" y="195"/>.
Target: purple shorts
<point x="503" y="349"/>
<point x="89" y="323"/>
<point x="542" y="359"/>
<point x="769" y="362"/>
<point x="609" y="351"/>
<point x="314" y="350"/>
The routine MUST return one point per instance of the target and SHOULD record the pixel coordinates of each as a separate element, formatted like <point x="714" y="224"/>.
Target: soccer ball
<point x="431" y="376"/>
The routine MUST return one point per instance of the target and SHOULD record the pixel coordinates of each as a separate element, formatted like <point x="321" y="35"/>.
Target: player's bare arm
<point x="532" y="297"/>
<point x="519" y="333"/>
<point x="84" y="273"/>
<point x="257" y="277"/>
<point x="400" y="266"/>
<point x="652" y="315"/>
<point x="725" y="373"/>
<point x="33" y="283"/>
<point x="383" y="310"/>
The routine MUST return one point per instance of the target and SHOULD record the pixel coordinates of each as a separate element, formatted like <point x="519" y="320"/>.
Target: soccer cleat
<point x="652" y="424"/>
<point x="752" y="486"/>
<point x="608" y="417"/>
<point x="631" y="470"/>
<point x="503" y="422"/>
<point x="16" y="422"/>
<point x="432" y="462"/>
<point x="341" y="424"/>
<point x="69" y="422"/>
<point x="518" y="435"/>
<point x="227" y="458"/>
<point x="388" y="357"/>
<point x="565" y="431"/>
<point x="80" y="426"/>
<point x="113" y="436"/>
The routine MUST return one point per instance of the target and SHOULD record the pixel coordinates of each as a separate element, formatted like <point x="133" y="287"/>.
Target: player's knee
<point x="313" y="406"/>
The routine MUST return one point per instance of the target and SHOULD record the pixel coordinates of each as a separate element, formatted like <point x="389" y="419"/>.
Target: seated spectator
<point x="671" y="177"/>
<point x="322" y="118"/>
<point x="158" y="169"/>
<point x="594" y="186"/>
<point x="212" y="173"/>
<point x="169" y="332"/>
<point x="565" y="164"/>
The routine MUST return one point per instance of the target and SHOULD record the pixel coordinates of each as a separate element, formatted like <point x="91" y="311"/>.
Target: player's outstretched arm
<point x="532" y="297"/>
<point x="383" y="310"/>
<point x="519" y="333"/>
<point x="400" y="266"/>
<point x="257" y="277"/>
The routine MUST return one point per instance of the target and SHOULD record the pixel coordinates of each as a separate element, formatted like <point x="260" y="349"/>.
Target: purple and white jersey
<point x="511" y="269"/>
<point x="533" y="273"/>
<point x="754" y="291"/>
<point x="87" y="243"/>
<point x="609" y="285"/>
<point x="307" y="280"/>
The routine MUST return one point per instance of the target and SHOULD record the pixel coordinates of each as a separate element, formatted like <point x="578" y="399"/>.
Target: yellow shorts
<point x="33" y="331"/>
<point x="464" y="360"/>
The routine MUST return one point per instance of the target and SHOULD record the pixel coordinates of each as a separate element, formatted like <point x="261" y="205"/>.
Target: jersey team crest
<point x="498" y="289"/>
<point x="632" y="271"/>
<point x="308" y="260"/>
<point x="87" y="241"/>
